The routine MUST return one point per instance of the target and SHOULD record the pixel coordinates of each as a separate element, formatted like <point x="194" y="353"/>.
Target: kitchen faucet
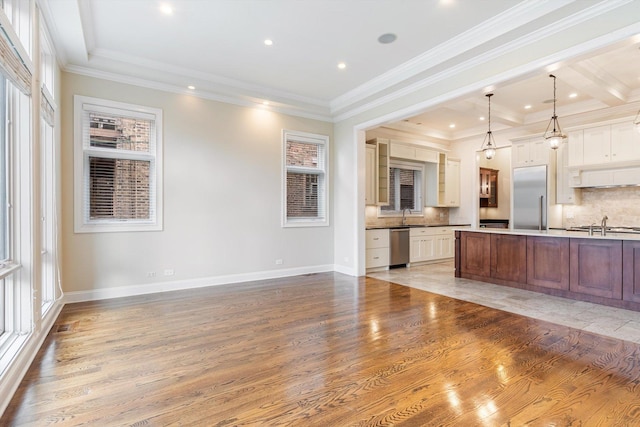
<point x="603" y="225"/>
<point x="404" y="220"/>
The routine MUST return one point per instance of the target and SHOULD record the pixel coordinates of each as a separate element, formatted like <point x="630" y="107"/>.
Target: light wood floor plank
<point x="321" y="350"/>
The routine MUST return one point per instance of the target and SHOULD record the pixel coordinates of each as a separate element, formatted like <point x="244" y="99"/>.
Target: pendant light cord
<point x="489" y="95"/>
<point x="554" y="103"/>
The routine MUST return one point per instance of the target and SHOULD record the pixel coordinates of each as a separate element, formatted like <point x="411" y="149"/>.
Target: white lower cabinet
<point x="431" y="243"/>
<point x="377" y="248"/>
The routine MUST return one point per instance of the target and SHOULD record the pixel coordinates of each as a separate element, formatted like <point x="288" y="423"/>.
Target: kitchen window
<point x="118" y="166"/>
<point x="405" y="189"/>
<point x="305" y="197"/>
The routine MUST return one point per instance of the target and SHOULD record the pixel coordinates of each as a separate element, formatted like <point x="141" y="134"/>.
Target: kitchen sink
<point x="597" y="229"/>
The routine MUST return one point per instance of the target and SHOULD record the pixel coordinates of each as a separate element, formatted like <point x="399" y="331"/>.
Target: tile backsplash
<point x="431" y="216"/>
<point x="620" y="204"/>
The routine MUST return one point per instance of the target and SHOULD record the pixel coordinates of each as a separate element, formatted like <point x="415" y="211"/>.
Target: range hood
<point x="619" y="177"/>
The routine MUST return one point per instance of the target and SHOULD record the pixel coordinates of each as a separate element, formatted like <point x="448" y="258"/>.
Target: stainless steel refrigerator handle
<point x="540" y="219"/>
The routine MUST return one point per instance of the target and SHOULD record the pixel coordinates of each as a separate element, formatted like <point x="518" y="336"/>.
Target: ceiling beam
<point x="595" y="82"/>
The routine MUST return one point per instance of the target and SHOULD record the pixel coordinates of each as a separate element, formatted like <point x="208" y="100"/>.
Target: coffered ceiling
<point x="217" y="47"/>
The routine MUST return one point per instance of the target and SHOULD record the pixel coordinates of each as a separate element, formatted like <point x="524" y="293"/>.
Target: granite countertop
<point x="378" y="227"/>
<point x="559" y="233"/>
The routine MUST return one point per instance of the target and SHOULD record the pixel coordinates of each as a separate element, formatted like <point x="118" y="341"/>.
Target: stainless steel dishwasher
<point x="399" y="246"/>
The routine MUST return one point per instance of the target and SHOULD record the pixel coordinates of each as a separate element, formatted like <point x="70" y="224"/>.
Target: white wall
<point x="222" y="200"/>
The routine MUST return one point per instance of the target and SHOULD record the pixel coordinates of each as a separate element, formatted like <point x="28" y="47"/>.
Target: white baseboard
<point x="16" y="371"/>
<point x="150" y="288"/>
<point x="349" y="271"/>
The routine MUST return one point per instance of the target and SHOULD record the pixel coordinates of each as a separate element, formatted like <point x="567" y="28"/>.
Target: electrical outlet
<point x="279" y="261"/>
<point x="169" y="272"/>
<point x="151" y="274"/>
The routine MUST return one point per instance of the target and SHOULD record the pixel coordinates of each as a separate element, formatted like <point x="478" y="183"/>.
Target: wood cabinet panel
<point x="488" y="188"/>
<point x="509" y="257"/>
<point x="548" y="262"/>
<point x="596" y="267"/>
<point x="475" y="250"/>
<point x="631" y="271"/>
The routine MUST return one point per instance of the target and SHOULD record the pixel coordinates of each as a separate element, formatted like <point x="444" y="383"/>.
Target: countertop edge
<point x="408" y="226"/>
<point x="555" y="233"/>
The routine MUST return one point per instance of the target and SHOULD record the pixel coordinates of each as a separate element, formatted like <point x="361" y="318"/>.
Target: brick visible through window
<point x="305" y="179"/>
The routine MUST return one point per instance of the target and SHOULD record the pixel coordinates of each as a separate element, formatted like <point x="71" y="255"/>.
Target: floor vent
<point x="64" y="328"/>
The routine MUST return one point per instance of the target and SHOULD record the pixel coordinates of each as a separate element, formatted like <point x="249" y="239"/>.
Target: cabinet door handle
<point x="376" y="257"/>
<point x="376" y="238"/>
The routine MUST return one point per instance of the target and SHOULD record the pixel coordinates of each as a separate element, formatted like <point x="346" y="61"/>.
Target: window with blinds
<point x="305" y="179"/>
<point x="405" y="188"/>
<point x="117" y="166"/>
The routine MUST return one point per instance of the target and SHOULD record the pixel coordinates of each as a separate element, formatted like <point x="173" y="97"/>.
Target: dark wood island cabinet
<point x="599" y="270"/>
<point x="596" y="267"/>
<point x="631" y="271"/>
<point x="548" y="262"/>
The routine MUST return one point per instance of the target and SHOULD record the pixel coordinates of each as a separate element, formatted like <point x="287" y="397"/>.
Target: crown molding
<point x="510" y="19"/>
<point x="243" y="101"/>
<point x="506" y="48"/>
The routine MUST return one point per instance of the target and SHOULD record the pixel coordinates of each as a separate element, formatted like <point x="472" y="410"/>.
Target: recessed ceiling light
<point x="573" y="95"/>
<point x="192" y="87"/>
<point x="527" y="107"/>
<point x="387" y="38"/>
<point x="342" y="65"/>
<point x="268" y="42"/>
<point x="265" y="103"/>
<point x="481" y="117"/>
<point x="452" y="125"/>
<point x="166" y="9"/>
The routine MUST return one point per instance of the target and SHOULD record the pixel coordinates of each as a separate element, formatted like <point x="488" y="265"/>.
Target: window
<point x="405" y="188"/>
<point x="305" y="179"/>
<point x="117" y="166"/>
<point x="4" y="175"/>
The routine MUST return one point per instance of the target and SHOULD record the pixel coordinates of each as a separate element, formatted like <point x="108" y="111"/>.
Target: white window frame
<point x="418" y="192"/>
<point x="82" y="150"/>
<point x="323" y="191"/>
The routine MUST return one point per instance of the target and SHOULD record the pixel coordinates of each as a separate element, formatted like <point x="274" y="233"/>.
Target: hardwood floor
<point x="321" y="350"/>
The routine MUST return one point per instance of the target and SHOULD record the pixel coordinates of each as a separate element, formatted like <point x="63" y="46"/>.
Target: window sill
<point x="8" y="269"/>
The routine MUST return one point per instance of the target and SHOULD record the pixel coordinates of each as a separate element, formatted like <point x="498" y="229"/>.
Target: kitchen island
<point x="571" y="264"/>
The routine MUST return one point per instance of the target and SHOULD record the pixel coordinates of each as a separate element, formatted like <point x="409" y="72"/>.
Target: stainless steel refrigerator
<point x="530" y="198"/>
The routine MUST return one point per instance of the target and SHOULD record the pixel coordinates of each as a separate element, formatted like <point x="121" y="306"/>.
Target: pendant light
<point x="636" y="122"/>
<point x="489" y="146"/>
<point x="555" y="137"/>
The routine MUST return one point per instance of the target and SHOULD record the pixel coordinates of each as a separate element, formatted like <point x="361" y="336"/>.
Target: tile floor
<point x="438" y="278"/>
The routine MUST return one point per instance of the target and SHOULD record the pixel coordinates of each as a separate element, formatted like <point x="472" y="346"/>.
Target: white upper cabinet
<point x="597" y="145"/>
<point x="442" y="182"/>
<point x="412" y="152"/>
<point x="377" y="172"/>
<point x="575" y="148"/>
<point x="625" y="142"/>
<point x="452" y="183"/>
<point x="565" y="193"/>
<point x="371" y="176"/>
<point x="614" y="145"/>
<point x="530" y="152"/>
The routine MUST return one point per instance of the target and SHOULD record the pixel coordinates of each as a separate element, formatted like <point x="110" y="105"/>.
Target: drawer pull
<point x="376" y="257"/>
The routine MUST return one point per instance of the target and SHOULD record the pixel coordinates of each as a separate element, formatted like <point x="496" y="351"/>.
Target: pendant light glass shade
<point x="489" y="146"/>
<point x="636" y="122"/>
<point x="555" y="136"/>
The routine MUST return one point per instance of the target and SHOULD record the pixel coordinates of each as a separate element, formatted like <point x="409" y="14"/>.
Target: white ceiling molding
<point x="493" y="54"/>
<point x="168" y="73"/>
<point x="475" y="47"/>
<point x="234" y="99"/>
<point x="517" y="16"/>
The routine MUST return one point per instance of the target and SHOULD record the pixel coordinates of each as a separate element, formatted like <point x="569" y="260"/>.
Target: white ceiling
<point x="218" y="47"/>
